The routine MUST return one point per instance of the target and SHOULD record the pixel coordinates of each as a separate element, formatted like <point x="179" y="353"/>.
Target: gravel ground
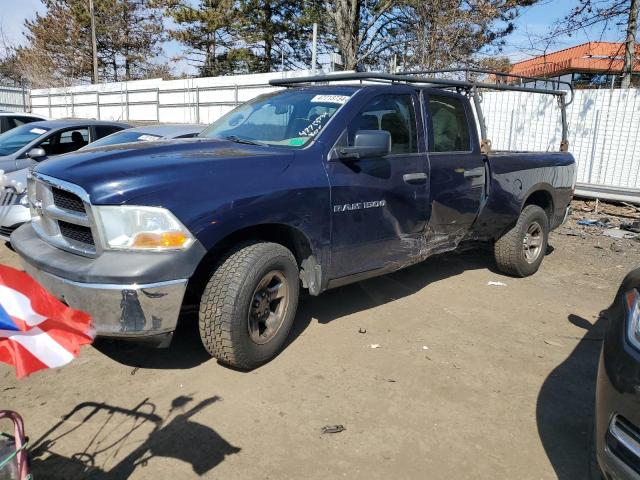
<point x="470" y="381"/>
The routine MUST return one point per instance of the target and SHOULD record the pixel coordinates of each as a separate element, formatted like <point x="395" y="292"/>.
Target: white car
<point x="9" y="120"/>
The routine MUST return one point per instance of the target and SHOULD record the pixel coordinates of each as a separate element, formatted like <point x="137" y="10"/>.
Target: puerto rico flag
<point x="37" y="330"/>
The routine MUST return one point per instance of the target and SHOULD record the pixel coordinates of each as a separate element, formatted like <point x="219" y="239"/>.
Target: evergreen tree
<point x="205" y="28"/>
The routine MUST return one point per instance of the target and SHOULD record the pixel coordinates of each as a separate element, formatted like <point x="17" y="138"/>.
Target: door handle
<point x="474" y="172"/>
<point x="415" y="178"/>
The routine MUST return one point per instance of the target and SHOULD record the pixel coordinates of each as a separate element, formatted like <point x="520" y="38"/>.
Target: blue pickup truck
<point x="315" y="186"/>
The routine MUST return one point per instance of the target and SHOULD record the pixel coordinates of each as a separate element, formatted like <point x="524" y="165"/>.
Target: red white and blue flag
<point x="37" y="330"/>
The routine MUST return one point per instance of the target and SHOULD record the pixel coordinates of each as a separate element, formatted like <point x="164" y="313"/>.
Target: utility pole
<point x="93" y="42"/>
<point x="630" y="44"/>
<point x="314" y="49"/>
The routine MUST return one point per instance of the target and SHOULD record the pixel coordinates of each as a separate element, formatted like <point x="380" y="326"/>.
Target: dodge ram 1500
<point x="313" y="186"/>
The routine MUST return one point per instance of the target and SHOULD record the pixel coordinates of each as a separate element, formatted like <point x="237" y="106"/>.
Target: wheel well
<point x="285" y="235"/>
<point x="542" y="199"/>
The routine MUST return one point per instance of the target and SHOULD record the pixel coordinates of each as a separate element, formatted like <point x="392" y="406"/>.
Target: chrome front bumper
<point x="126" y="311"/>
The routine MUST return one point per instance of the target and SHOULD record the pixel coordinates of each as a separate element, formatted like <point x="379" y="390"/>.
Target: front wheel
<point x="249" y="304"/>
<point x="520" y="251"/>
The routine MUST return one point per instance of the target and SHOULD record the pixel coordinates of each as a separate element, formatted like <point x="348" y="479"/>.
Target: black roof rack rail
<point x="505" y="75"/>
<point x="470" y="86"/>
<point x="411" y="77"/>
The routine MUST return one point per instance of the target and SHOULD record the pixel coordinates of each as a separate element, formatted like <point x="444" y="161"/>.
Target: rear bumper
<point x="120" y="310"/>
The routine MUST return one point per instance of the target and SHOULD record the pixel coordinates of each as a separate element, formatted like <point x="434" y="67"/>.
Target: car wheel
<point x="520" y="251"/>
<point x="249" y="304"/>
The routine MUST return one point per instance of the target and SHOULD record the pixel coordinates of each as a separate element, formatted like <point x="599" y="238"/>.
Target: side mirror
<point x="367" y="143"/>
<point x="36" y="153"/>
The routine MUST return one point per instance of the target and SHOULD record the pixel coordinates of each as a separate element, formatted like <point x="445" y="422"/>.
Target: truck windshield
<point x="16" y="138"/>
<point x="290" y="118"/>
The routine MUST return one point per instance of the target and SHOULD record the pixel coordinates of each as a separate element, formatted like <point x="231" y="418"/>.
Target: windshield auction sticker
<point x="341" y="99"/>
<point x="148" y="137"/>
<point x="38" y="131"/>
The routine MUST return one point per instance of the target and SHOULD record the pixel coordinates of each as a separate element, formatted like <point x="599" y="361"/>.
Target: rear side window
<point x="449" y="125"/>
<point x="393" y="113"/>
<point x="103" y="131"/>
<point x="17" y="121"/>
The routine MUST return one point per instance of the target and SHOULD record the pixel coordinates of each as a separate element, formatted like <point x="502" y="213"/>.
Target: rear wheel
<point x="520" y="251"/>
<point x="249" y="304"/>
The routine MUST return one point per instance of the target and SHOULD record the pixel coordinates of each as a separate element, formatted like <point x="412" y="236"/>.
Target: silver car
<point x="28" y="144"/>
<point x="14" y="207"/>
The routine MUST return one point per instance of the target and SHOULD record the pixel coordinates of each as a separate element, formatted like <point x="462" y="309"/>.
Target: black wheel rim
<point x="269" y="305"/>
<point x="532" y="242"/>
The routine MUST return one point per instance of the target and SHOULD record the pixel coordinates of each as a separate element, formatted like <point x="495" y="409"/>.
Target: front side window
<point x="66" y="141"/>
<point x="449" y="125"/>
<point x="13" y="140"/>
<point x="290" y="118"/>
<point x="393" y="113"/>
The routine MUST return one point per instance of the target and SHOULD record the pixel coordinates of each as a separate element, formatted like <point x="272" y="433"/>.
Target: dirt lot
<point x="470" y="381"/>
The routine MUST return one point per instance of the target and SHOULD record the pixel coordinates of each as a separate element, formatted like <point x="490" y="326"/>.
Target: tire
<point x="514" y="250"/>
<point x="236" y="307"/>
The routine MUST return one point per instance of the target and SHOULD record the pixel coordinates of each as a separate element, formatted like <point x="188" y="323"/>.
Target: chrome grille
<point x="67" y="200"/>
<point x="7" y="231"/>
<point x="76" y="232"/>
<point x="8" y="196"/>
<point x="61" y="214"/>
<point x="623" y="440"/>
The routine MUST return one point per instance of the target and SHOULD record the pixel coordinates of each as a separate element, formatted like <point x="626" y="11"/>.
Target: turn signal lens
<point x="159" y="240"/>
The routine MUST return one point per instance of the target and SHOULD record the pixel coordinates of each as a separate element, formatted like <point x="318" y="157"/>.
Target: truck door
<point x="379" y="205"/>
<point x="457" y="178"/>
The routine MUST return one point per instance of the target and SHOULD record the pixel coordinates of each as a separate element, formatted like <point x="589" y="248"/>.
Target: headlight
<point x="632" y="300"/>
<point x="141" y="228"/>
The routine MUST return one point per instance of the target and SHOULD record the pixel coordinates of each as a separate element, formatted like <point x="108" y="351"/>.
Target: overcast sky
<point x="534" y="22"/>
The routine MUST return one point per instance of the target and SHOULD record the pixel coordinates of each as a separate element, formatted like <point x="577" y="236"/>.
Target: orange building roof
<point x="588" y="57"/>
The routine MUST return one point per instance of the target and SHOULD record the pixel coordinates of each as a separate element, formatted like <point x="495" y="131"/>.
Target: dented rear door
<point x="457" y="169"/>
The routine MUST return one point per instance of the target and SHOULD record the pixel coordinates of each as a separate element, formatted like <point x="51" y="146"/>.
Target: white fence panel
<point x="604" y="126"/>
<point x="14" y="99"/>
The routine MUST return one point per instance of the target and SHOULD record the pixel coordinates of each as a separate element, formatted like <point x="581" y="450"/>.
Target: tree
<point x="444" y="33"/>
<point x="605" y="14"/>
<point x="58" y="50"/>
<point x="206" y="30"/>
<point x="129" y="33"/>
<point x="9" y="72"/>
<point x="416" y="33"/>
<point x="275" y="32"/>
<point x="361" y="29"/>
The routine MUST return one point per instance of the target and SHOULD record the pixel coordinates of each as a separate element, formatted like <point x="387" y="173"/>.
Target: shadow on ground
<point x="186" y="350"/>
<point x="368" y="294"/>
<point x="116" y="441"/>
<point x="565" y="407"/>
